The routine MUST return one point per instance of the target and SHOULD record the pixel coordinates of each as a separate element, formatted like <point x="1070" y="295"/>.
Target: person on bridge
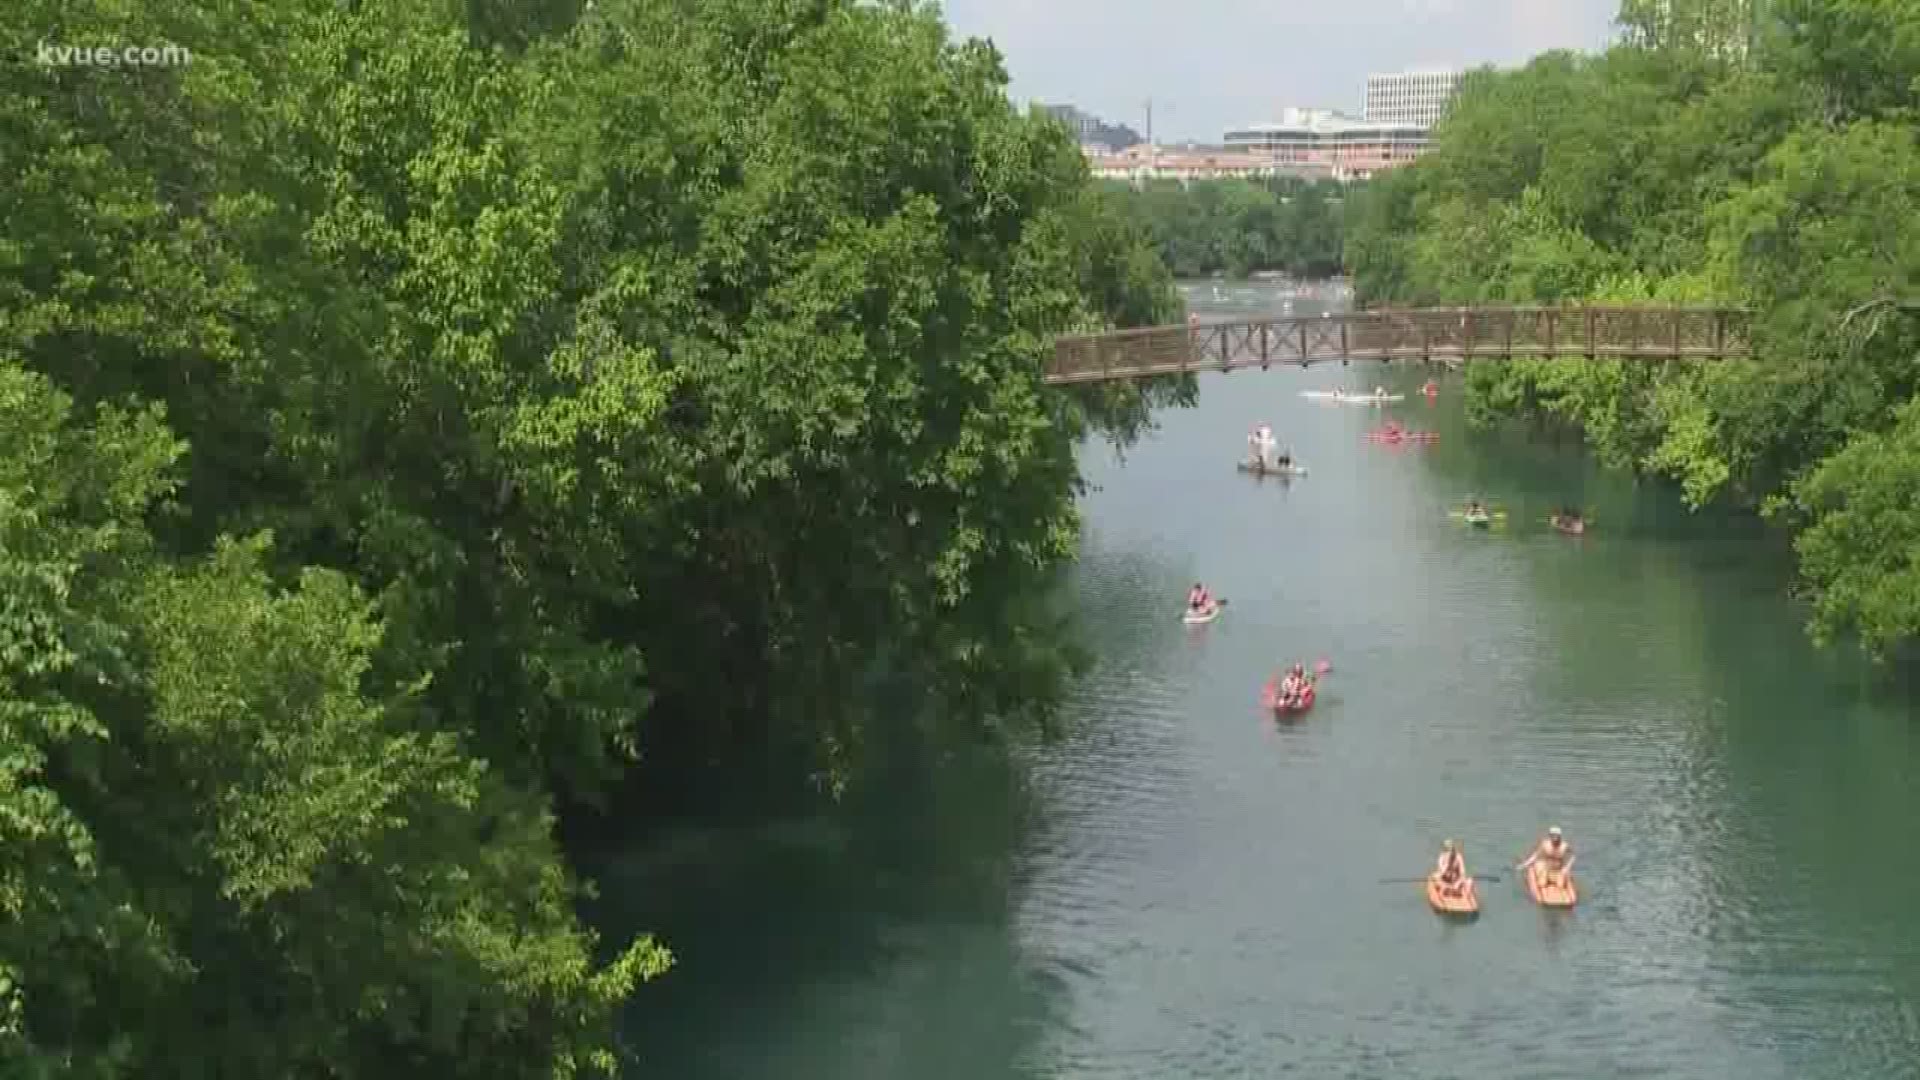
<point x="1451" y="871"/>
<point x="1198" y="599"/>
<point x="1554" y="855"/>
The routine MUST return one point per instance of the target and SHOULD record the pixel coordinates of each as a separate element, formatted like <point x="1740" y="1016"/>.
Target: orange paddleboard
<point x="1555" y="896"/>
<point x="1467" y="903"/>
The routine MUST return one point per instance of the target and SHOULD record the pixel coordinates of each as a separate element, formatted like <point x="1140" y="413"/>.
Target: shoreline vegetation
<point x="423" y="426"/>
<point x="1238" y="227"/>
<point x="1765" y="153"/>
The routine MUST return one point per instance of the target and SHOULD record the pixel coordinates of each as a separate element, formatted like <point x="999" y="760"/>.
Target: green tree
<point x="1661" y="172"/>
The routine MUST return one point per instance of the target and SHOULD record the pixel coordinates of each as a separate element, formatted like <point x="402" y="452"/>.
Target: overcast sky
<point x="1210" y="65"/>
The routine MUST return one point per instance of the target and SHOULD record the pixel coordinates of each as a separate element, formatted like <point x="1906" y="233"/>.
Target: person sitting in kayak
<point x="1452" y="870"/>
<point x="1380" y="391"/>
<point x="1554" y="855"/>
<point x="1475" y="508"/>
<point x="1198" y="599"/>
<point x="1294" y="687"/>
<point x="1393" y="429"/>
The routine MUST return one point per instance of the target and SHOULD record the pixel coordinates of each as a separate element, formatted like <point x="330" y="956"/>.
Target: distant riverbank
<point x="1238" y="227"/>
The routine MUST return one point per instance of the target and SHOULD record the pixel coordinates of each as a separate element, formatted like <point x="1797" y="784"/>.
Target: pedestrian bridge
<point x="1451" y="335"/>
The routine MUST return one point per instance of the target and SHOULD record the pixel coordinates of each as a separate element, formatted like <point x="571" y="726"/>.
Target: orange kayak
<point x="1555" y="896"/>
<point x="1467" y="903"/>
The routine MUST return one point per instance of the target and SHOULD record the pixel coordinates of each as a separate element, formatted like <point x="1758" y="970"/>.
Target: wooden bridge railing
<point x="1451" y="334"/>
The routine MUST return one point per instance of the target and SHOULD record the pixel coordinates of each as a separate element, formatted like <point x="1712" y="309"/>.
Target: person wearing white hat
<point x="1555" y="856"/>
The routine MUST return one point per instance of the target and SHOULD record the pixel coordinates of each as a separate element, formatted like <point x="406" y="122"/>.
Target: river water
<point x="1184" y="888"/>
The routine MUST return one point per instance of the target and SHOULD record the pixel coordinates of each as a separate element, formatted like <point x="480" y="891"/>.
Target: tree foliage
<point x="1239" y="226"/>
<point x="1783" y="174"/>
<point x="415" y="416"/>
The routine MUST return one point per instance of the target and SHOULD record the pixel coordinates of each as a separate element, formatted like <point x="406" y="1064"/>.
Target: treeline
<point x="1721" y="153"/>
<point x="1237" y="227"/>
<point x="413" y="414"/>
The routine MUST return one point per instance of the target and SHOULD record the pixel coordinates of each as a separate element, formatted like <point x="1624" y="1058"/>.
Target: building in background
<point x="1188" y="163"/>
<point x="1092" y="131"/>
<point x="1327" y="141"/>
<point x="1416" y="98"/>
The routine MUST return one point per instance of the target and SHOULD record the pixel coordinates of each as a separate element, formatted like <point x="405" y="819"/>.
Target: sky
<point x="1211" y="65"/>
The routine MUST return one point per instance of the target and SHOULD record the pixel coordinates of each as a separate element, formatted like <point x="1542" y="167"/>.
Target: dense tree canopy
<point x="1239" y="226"/>
<point x="1783" y="173"/>
<point x="416" y="413"/>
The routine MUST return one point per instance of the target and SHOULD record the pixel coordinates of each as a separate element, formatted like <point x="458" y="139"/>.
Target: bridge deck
<point x="1640" y="333"/>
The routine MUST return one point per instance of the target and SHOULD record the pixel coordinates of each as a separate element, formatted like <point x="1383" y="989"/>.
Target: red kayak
<point x="1270" y="699"/>
<point x="1402" y="436"/>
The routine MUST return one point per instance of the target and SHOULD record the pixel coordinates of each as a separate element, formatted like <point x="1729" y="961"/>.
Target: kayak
<point x="1355" y="399"/>
<point x="1479" y="521"/>
<point x="1467" y="903"/>
<point x="1405" y="436"/>
<point x="1258" y="469"/>
<point x="1571" y="528"/>
<point x="1270" y="699"/>
<point x="1553" y="896"/>
<point x="1206" y="615"/>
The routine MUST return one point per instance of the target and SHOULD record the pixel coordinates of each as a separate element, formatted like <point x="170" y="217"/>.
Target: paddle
<point x="1422" y="881"/>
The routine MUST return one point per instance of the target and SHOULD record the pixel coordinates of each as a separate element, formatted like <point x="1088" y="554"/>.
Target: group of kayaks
<point x="1541" y="887"/>
<point x="1378" y="397"/>
<point x="1567" y="521"/>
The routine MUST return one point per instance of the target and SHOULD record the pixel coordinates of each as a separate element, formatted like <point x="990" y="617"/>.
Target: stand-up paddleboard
<point x="1351" y="399"/>
<point x="1248" y="465"/>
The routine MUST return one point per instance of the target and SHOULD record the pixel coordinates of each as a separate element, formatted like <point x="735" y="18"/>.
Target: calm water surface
<point x="1185" y="889"/>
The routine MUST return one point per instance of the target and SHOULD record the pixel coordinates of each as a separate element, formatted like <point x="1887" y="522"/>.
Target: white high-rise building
<point x="1410" y="97"/>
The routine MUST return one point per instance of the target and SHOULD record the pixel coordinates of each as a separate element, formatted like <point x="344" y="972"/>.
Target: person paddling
<point x="1451" y="870"/>
<point x="1198" y="599"/>
<point x="1554" y="855"/>
<point x="1294" y="687"/>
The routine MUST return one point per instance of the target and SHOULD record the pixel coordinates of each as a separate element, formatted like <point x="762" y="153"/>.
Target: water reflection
<point x="872" y="943"/>
<point x="1188" y="888"/>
